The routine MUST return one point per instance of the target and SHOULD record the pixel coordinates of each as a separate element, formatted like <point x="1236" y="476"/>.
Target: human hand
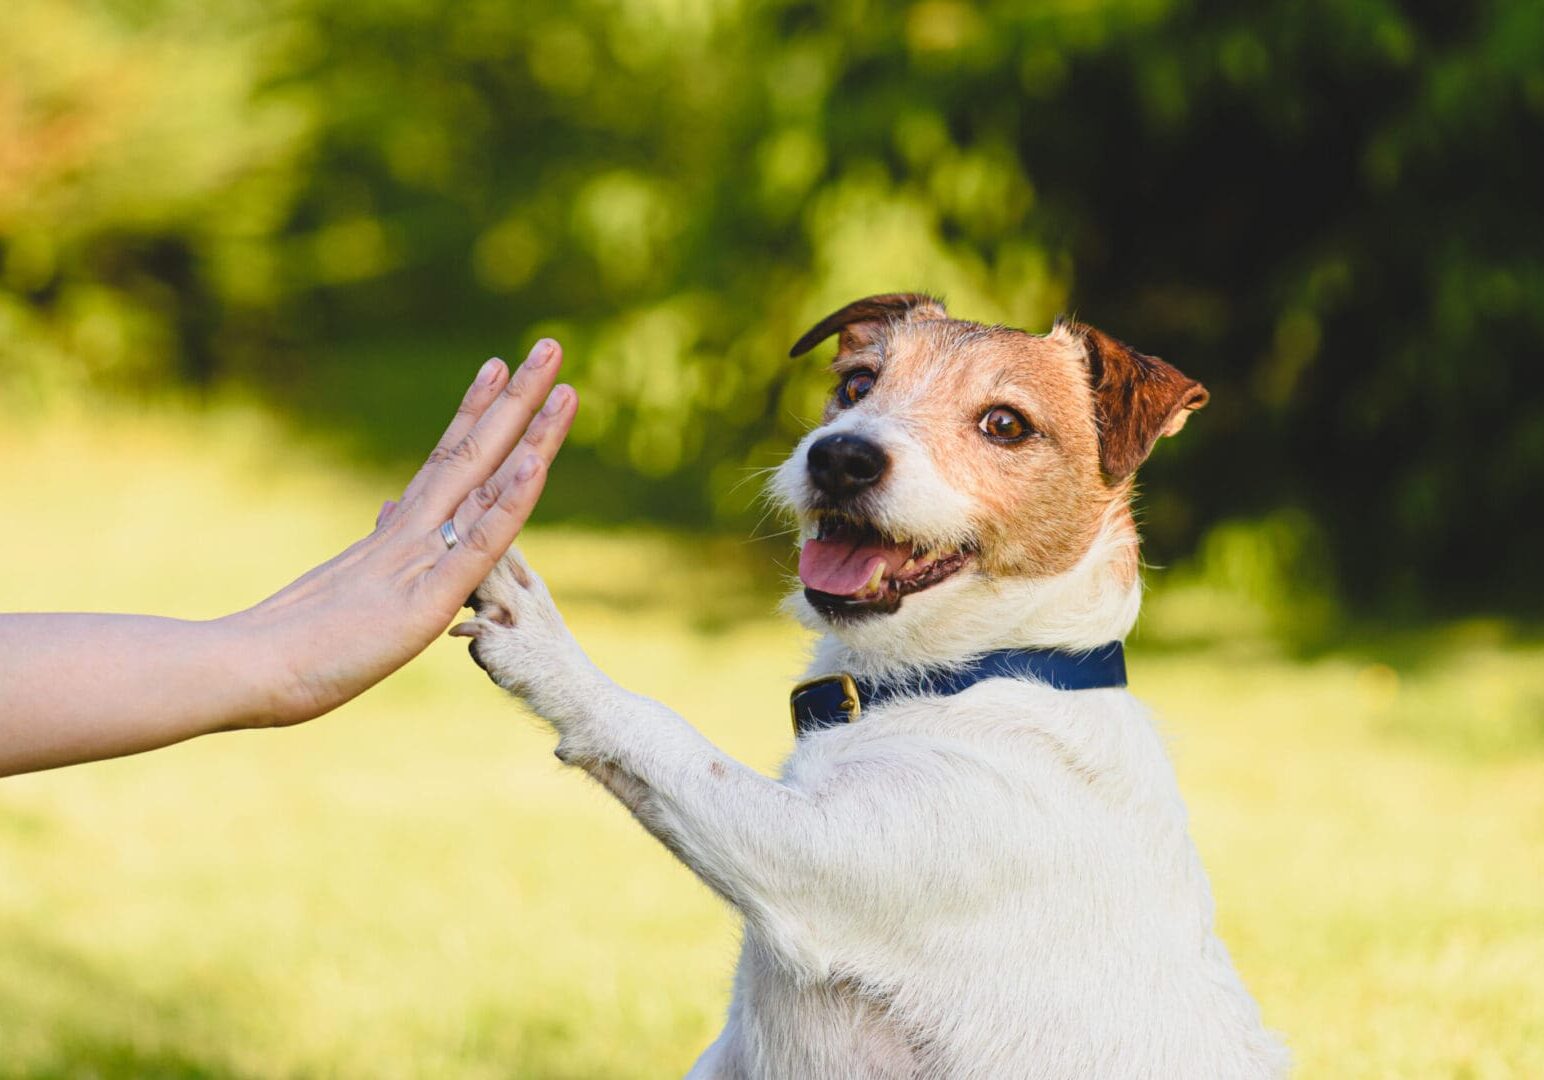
<point x="358" y="617"/>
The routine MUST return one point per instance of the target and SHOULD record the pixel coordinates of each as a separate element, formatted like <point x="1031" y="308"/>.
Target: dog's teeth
<point x="878" y="576"/>
<point x="908" y="566"/>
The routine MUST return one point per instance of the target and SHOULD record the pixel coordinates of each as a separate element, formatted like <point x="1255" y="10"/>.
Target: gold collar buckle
<point x="813" y="704"/>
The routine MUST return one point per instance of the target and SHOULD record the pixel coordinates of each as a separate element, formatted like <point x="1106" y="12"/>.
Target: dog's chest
<point x="1029" y="838"/>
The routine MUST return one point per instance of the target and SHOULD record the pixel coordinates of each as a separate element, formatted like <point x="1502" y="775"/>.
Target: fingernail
<point x="555" y="401"/>
<point x="541" y="352"/>
<point x="489" y="371"/>
<point x="527" y="468"/>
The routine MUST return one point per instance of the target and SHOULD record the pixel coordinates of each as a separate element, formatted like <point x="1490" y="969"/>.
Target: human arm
<point x="78" y="687"/>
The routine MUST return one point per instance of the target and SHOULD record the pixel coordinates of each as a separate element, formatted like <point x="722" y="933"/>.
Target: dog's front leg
<point x="772" y="850"/>
<point x="634" y="746"/>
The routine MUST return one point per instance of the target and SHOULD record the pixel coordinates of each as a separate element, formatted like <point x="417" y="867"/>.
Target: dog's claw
<point x="470" y="629"/>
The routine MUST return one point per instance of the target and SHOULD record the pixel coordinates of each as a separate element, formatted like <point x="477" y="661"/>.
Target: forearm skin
<point x="77" y="688"/>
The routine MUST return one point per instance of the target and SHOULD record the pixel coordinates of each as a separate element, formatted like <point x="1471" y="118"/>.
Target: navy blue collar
<point x="841" y="698"/>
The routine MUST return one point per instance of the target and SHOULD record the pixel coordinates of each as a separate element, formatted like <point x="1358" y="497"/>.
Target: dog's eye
<point x="855" y="387"/>
<point x="1005" y="425"/>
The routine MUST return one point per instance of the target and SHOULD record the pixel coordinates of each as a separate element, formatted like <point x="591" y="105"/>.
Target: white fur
<point x="998" y="884"/>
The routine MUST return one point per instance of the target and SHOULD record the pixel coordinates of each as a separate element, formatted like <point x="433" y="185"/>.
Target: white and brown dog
<point x="986" y="873"/>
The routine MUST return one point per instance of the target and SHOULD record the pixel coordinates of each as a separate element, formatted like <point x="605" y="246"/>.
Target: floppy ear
<point x="1137" y="398"/>
<point x="860" y="320"/>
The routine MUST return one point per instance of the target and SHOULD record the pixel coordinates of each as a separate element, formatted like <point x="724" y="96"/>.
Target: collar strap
<point x="841" y="698"/>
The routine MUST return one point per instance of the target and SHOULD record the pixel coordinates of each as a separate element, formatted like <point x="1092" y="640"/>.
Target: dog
<point x="975" y="863"/>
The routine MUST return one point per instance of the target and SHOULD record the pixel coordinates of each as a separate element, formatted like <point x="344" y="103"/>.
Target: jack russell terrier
<point x="975" y="863"/>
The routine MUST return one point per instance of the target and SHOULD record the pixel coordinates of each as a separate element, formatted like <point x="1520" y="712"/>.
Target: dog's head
<point x="967" y="488"/>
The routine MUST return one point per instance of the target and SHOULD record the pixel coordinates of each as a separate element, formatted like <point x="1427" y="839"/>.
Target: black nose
<point x="843" y="465"/>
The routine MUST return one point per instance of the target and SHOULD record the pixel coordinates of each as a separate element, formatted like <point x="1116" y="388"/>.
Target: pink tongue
<point x="842" y="567"/>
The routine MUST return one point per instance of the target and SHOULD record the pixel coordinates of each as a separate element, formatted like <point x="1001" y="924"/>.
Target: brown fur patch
<point x="1138" y="397"/>
<point x="862" y="320"/>
<point x="1041" y="500"/>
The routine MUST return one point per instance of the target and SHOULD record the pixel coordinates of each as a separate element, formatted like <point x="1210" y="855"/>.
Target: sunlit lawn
<point x="414" y="887"/>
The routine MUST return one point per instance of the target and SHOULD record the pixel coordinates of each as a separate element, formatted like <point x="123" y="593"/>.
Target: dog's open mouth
<point x="850" y="568"/>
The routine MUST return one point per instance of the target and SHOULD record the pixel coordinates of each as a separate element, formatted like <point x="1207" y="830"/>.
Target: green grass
<point x="413" y="887"/>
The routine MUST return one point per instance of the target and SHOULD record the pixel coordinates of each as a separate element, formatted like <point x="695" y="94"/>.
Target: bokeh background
<point x="250" y="252"/>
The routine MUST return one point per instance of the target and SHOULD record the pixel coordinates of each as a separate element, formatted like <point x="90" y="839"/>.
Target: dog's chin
<point x="879" y="627"/>
<point x="839" y="609"/>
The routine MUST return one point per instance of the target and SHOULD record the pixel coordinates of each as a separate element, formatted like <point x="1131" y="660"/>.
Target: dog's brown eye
<point x="855" y="387"/>
<point x="1005" y="425"/>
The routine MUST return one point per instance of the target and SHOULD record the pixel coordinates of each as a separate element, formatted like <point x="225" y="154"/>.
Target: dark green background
<point x="1327" y="212"/>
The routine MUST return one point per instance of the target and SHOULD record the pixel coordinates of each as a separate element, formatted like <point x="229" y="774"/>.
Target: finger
<point x="482" y="449"/>
<point x="546" y="432"/>
<point x="492" y="377"/>
<point x="542" y="438"/>
<point x="462" y="568"/>
<point x="387" y="508"/>
<point x="498" y="510"/>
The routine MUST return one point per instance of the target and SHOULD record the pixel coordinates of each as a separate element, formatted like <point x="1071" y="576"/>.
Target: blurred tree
<point x="1325" y="210"/>
<point x="138" y="177"/>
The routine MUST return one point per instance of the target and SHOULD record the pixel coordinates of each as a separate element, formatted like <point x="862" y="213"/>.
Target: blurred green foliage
<point x="1327" y="211"/>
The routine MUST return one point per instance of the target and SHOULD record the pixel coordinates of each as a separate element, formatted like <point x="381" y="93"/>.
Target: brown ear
<point x="1137" y="398"/>
<point x="859" y="320"/>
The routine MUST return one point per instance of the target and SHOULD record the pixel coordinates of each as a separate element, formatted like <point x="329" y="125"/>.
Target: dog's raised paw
<point x="517" y="634"/>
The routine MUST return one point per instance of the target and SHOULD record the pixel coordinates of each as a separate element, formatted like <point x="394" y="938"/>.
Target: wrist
<point x="246" y="655"/>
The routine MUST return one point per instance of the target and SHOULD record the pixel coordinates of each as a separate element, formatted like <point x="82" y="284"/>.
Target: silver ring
<point x="448" y="533"/>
